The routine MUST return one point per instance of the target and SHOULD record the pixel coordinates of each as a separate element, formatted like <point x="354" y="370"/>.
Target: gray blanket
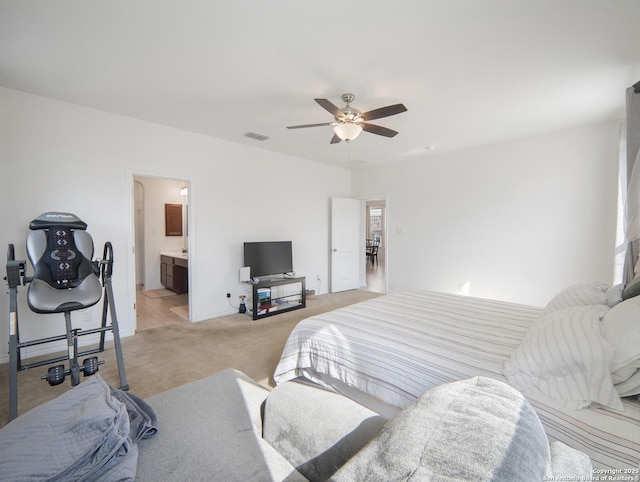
<point x="89" y="433"/>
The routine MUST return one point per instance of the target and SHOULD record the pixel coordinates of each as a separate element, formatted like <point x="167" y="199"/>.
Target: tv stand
<point x="275" y="296"/>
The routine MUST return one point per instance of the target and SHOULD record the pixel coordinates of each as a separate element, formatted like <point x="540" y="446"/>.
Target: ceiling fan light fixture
<point x="350" y="122"/>
<point x="347" y="131"/>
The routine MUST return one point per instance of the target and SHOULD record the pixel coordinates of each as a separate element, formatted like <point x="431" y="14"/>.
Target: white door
<point x="345" y="244"/>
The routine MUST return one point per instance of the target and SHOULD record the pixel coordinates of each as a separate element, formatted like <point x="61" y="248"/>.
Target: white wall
<point x="520" y="220"/>
<point x="57" y="156"/>
<point x="157" y="192"/>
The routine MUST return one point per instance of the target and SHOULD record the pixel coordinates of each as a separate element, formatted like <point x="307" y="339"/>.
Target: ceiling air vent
<point x="257" y="136"/>
<point x="356" y="163"/>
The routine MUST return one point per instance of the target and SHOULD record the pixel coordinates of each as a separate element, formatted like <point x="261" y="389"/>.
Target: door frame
<point x="131" y="175"/>
<point x="363" y="236"/>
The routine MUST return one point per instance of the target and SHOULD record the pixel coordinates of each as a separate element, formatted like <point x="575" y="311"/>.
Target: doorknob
<point x="334" y="250"/>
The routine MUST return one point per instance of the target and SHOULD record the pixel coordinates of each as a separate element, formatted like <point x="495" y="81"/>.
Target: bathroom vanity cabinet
<point x="174" y="272"/>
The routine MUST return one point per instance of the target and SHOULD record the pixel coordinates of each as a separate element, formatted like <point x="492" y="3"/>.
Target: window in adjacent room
<point x="375" y="224"/>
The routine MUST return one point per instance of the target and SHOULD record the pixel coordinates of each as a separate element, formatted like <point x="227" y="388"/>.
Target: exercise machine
<point x="65" y="279"/>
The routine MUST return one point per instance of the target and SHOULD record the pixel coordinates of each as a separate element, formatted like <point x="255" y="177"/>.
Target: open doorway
<point x="161" y="251"/>
<point x="376" y="245"/>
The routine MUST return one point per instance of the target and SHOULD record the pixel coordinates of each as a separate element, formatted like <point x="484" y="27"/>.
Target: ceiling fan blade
<point x="329" y="107"/>
<point x="384" y="112"/>
<point x="335" y="139"/>
<point x="310" y="125"/>
<point x="379" y="130"/>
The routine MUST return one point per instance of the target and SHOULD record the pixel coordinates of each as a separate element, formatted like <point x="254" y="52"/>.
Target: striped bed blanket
<point x="393" y="348"/>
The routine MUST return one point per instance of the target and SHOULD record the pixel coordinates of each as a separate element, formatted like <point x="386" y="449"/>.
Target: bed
<point x="386" y="352"/>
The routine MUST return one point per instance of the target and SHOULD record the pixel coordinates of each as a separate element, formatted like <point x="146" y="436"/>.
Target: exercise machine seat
<point x="64" y="277"/>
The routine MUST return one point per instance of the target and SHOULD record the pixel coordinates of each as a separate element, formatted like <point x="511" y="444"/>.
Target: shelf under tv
<point x="278" y="295"/>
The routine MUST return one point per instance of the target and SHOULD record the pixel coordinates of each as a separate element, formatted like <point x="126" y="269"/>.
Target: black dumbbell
<point x="55" y="375"/>
<point x="90" y="365"/>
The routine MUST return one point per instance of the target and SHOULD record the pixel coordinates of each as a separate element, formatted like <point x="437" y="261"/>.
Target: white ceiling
<point x="470" y="72"/>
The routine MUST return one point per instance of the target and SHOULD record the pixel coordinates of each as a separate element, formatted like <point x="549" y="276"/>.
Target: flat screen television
<point x="268" y="258"/>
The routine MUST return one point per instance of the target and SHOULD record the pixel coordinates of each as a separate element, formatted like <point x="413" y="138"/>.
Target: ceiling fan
<point x="349" y="122"/>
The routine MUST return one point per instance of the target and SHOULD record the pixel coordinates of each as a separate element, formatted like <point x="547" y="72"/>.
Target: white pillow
<point x="565" y="358"/>
<point x="622" y="330"/>
<point x="614" y="295"/>
<point x="581" y="294"/>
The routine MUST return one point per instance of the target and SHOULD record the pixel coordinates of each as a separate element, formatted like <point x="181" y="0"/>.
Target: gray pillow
<point x="632" y="289"/>
<point x="476" y="429"/>
<point x="316" y="430"/>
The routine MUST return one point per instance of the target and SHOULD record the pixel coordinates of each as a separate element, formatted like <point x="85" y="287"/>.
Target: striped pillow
<point x="564" y="357"/>
<point x="581" y="294"/>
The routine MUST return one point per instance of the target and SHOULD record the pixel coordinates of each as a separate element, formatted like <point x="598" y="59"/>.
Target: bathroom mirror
<point x="173" y="219"/>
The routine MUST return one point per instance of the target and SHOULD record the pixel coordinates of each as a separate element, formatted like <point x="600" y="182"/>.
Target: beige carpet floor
<point x="161" y="358"/>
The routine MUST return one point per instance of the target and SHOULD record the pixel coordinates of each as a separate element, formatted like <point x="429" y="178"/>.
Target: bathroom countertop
<point x="175" y="254"/>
